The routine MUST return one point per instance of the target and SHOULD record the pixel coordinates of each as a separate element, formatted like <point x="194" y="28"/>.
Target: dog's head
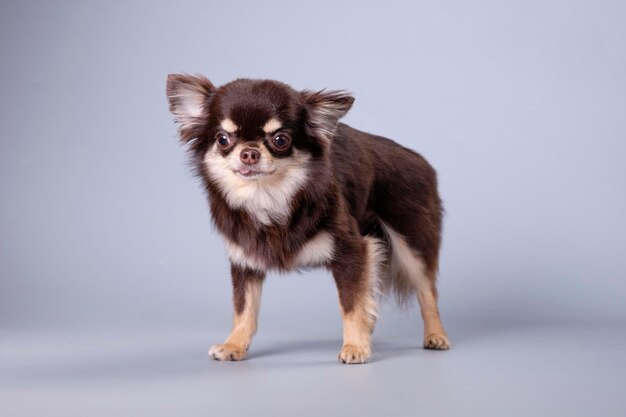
<point x="255" y="134"/>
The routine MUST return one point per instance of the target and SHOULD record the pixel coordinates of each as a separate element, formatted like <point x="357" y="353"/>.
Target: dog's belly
<point x="317" y="251"/>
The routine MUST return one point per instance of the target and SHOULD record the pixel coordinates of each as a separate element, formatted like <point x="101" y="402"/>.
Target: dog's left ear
<point x="324" y="109"/>
<point x="189" y="97"/>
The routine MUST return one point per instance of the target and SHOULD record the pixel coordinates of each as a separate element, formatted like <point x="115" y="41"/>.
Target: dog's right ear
<point x="189" y="97"/>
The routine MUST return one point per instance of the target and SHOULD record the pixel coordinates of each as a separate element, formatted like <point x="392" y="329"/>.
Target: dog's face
<point x="256" y="138"/>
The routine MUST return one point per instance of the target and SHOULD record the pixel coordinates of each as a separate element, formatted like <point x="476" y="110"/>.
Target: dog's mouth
<point x="248" y="172"/>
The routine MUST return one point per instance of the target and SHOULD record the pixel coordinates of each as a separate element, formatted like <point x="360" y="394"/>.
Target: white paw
<point x="227" y="352"/>
<point x="352" y="354"/>
<point x="436" y="341"/>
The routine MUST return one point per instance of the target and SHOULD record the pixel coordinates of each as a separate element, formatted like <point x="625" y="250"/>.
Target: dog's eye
<point x="223" y="141"/>
<point x="281" y="142"/>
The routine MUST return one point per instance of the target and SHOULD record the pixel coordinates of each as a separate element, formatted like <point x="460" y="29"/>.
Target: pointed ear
<point x="324" y="109"/>
<point x="189" y="98"/>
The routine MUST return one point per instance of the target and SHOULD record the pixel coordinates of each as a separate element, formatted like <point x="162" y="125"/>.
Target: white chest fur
<point x="317" y="251"/>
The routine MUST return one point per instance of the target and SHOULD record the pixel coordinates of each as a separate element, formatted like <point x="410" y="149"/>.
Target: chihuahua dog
<point x="290" y="187"/>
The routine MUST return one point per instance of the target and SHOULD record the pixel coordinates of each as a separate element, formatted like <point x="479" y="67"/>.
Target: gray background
<point x="113" y="285"/>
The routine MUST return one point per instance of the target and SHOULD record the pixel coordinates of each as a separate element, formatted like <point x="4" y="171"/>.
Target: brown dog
<point x="290" y="187"/>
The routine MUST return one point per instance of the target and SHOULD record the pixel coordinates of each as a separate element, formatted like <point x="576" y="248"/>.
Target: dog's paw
<point x="352" y="354"/>
<point x="436" y="341"/>
<point x="227" y="352"/>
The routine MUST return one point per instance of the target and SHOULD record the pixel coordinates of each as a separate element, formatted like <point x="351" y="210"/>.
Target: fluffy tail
<point x="406" y="273"/>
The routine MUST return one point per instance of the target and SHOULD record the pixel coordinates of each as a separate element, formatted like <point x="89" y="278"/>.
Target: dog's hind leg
<point x="435" y="336"/>
<point x="412" y="275"/>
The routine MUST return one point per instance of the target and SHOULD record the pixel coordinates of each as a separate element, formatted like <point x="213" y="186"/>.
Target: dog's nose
<point x="249" y="156"/>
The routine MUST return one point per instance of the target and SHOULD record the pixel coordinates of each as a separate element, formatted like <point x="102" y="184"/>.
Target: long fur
<point x="318" y="193"/>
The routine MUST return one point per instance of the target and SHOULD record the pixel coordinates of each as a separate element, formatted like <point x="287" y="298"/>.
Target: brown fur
<point x="355" y="182"/>
<point x="240" y="278"/>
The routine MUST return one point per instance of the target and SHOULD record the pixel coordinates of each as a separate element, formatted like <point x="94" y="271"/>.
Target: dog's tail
<point x="405" y="271"/>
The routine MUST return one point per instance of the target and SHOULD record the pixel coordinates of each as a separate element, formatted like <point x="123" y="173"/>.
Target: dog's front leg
<point x="356" y="271"/>
<point x="247" y="286"/>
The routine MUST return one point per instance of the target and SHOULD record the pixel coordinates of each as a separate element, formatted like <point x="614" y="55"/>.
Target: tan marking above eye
<point x="229" y="126"/>
<point x="272" y="125"/>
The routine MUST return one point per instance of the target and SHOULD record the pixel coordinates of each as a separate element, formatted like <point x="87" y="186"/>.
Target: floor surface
<point x="522" y="370"/>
